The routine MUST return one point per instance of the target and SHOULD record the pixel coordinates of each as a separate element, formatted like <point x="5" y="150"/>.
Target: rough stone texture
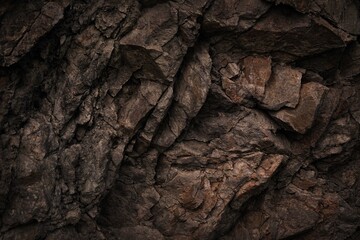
<point x="345" y="14"/>
<point x="248" y="83"/>
<point x="301" y="118"/>
<point x="283" y="89"/>
<point x="289" y="32"/>
<point x="32" y="20"/>
<point x="211" y="119"/>
<point x="257" y="72"/>
<point x="234" y="15"/>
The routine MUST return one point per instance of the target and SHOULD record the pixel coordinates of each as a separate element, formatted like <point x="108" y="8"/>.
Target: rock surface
<point x="301" y="118"/>
<point x="283" y="89"/>
<point x="176" y="119"/>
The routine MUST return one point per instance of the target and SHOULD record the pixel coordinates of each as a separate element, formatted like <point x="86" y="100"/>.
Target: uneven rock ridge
<point x="206" y="119"/>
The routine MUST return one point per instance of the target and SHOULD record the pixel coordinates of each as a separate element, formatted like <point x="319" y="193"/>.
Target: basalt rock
<point x="178" y="119"/>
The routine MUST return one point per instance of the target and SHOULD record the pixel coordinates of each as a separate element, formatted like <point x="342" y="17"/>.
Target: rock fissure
<point x="221" y="119"/>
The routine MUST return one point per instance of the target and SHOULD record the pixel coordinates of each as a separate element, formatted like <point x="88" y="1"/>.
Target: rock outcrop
<point x="210" y="119"/>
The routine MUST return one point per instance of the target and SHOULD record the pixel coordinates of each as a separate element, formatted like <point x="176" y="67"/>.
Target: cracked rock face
<point x="145" y="119"/>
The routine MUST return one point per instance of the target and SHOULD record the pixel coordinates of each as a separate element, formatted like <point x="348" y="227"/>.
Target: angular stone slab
<point x="283" y="88"/>
<point x="302" y="117"/>
<point x="257" y="72"/>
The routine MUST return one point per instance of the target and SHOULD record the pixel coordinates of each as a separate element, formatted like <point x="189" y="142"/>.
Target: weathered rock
<point x="190" y="94"/>
<point x="344" y="13"/>
<point x="337" y="141"/>
<point x="230" y="82"/>
<point x="231" y="15"/>
<point x="192" y="192"/>
<point x="248" y="83"/>
<point x="311" y="198"/>
<point x="166" y="31"/>
<point x="292" y="33"/>
<point x="283" y="88"/>
<point x="22" y="27"/>
<point x="279" y="217"/>
<point x="172" y="119"/>
<point x="257" y="71"/>
<point x="301" y="118"/>
<point x="351" y="61"/>
<point x="325" y="64"/>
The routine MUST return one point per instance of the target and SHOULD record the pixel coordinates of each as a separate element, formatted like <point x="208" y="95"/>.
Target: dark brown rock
<point x="301" y="118"/>
<point x="351" y="61"/>
<point x="144" y="119"/>
<point x="16" y="38"/>
<point x="248" y="83"/>
<point x="190" y="94"/>
<point x="344" y="13"/>
<point x="257" y="71"/>
<point x="293" y="33"/>
<point x="283" y="88"/>
<point x="233" y="15"/>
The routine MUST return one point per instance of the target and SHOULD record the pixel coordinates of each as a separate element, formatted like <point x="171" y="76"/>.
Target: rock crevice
<point x="175" y="119"/>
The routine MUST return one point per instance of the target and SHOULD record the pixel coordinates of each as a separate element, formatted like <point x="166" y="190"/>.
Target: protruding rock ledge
<point x="302" y="117"/>
<point x="283" y="88"/>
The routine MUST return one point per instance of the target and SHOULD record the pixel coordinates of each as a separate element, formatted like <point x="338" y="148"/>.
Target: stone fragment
<point x="267" y="168"/>
<point x="302" y="117"/>
<point x="18" y="36"/>
<point x="233" y="90"/>
<point x="88" y="54"/>
<point x="338" y="140"/>
<point x="157" y="32"/>
<point x="116" y="17"/>
<point x="303" y="217"/>
<point x="140" y="103"/>
<point x="189" y="95"/>
<point x="350" y="63"/>
<point x="230" y="82"/>
<point x="250" y="82"/>
<point x="257" y="71"/>
<point x="283" y="88"/>
<point x="293" y="33"/>
<point x="154" y="120"/>
<point x="345" y="14"/>
<point x="233" y="14"/>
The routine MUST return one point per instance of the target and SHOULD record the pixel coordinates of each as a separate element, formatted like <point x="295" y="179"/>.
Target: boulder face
<point x="302" y="117"/>
<point x="145" y="119"/>
<point x="283" y="89"/>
